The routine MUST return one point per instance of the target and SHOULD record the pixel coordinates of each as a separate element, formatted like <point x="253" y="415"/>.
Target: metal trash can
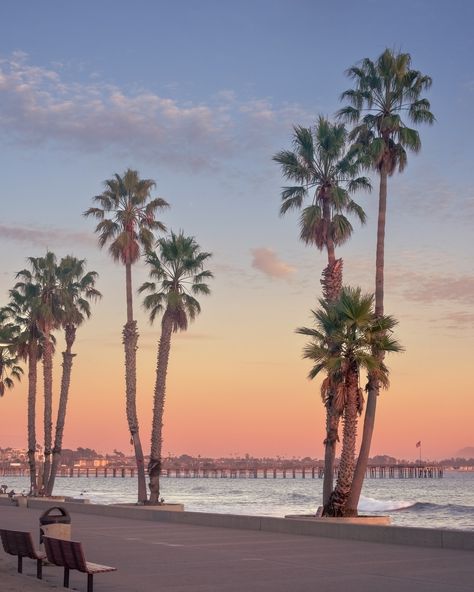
<point x="56" y="525"/>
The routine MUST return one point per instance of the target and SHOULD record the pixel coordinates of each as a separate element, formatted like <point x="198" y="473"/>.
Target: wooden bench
<point x="69" y="554"/>
<point x="21" y="544"/>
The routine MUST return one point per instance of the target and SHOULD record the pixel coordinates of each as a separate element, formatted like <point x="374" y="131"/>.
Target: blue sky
<point x="199" y="96"/>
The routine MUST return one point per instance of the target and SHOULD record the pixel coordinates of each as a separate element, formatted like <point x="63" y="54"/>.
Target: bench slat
<point x="97" y="568"/>
<point x="19" y="543"/>
<point x="69" y="554"/>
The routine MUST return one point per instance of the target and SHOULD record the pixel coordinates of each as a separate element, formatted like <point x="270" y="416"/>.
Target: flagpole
<point x="420" y="453"/>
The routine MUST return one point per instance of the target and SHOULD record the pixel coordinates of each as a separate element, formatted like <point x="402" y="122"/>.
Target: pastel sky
<point x="199" y="96"/>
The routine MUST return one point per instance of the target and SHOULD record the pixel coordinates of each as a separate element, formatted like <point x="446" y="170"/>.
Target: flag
<point x="418" y="444"/>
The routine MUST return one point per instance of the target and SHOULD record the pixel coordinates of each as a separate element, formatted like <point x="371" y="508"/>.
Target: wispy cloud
<point x="442" y="287"/>
<point x="45" y="237"/>
<point x="459" y="320"/>
<point x="430" y="286"/>
<point x="433" y="197"/>
<point x="267" y="261"/>
<point x="39" y="106"/>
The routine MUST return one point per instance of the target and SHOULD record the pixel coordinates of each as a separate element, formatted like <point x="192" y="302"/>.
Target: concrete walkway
<point x="163" y="557"/>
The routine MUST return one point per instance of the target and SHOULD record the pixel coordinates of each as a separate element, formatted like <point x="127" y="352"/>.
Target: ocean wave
<point x="431" y="507"/>
<point x="370" y="504"/>
<point x="301" y="496"/>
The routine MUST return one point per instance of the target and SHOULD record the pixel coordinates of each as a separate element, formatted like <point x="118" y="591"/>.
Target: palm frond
<point x="177" y="266"/>
<point x="348" y="114"/>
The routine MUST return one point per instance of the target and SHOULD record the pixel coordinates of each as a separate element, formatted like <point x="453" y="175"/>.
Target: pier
<point x="244" y="472"/>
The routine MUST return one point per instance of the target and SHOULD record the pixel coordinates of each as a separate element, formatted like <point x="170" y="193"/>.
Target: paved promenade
<point x="163" y="557"/>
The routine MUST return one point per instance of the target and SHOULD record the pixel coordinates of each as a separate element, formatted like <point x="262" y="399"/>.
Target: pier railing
<point x="245" y="472"/>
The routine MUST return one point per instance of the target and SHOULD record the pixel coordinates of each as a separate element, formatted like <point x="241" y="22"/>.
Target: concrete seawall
<point x="396" y="535"/>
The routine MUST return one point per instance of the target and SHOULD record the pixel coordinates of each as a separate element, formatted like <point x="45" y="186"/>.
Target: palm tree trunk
<point x="32" y="380"/>
<point x="68" y="357"/>
<point x="331" y="283"/>
<point x="154" y="467"/>
<point x="331" y="280"/>
<point x="330" y="443"/>
<point x="128" y="289"/>
<point x="130" y="340"/>
<point x="328" y="240"/>
<point x="337" y="501"/>
<point x="373" y="386"/>
<point x="48" y="404"/>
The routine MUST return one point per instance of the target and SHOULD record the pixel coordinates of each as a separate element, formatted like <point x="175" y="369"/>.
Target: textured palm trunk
<point x="32" y="381"/>
<point x="154" y="467"/>
<point x="331" y="283"/>
<point x="2" y="384"/>
<point x="130" y="340"/>
<point x="328" y="240"/>
<point x="331" y="280"/>
<point x="330" y="443"/>
<point x="68" y="357"/>
<point x="336" y="505"/>
<point x="48" y="405"/>
<point x="373" y="386"/>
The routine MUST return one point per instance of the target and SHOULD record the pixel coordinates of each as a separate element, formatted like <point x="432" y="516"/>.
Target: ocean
<point x="428" y="503"/>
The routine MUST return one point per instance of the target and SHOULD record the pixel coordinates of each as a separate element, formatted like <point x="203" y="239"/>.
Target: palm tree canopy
<point x="34" y="304"/>
<point x="386" y="90"/>
<point x="9" y="353"/>
<point x="177" y="268"/>
<point x="77" y="289"/>
<point x="323" y="168"/>
<point x="127" y="216"/>
<point x="39" y="288"/>
<point x="10" y="370"/>
<point x="348" y="332"/>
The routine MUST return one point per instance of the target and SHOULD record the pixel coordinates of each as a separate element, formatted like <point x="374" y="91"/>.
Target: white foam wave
<point x="370" y="504"/>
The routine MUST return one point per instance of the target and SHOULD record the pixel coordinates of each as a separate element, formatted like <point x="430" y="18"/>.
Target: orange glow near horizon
<point x="248" y="394"/>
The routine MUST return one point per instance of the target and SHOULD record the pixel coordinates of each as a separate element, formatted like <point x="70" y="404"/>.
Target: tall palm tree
<point x="384" y="92"/>
<point x="127" y="220"/>
<point x="326" y="172"/>
<point x="347" y="339"/>
<point x="22" y="312"/>
<point x="43" y="275"/>
<point x="77" y="289"/>
<point x="177" y="269"/>
<point x="10" y="370"/>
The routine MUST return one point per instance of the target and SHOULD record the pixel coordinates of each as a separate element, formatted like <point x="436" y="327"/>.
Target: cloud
<point x="267" y="261"/>
<point x="433" y="197"/>
<point x="432" y="287"/>
<point x="443" y="287"/>
<point x="45" y="237"/>
<point x="459" y="320"/>
<point x="39" y="106"/>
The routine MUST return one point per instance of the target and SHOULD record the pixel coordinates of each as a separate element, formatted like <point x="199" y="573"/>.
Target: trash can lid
<point x="62" y="518"/>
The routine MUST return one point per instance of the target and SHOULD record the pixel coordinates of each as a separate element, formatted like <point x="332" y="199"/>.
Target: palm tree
<point x="9" y="357"/>
<point x="76" y="288"/>
<point x="48" y="311"/>
<point x="22" y="313"/>
<point x="126" y="199"/>
<point x="385" y="91"/>
<point x="328" y="173"/>
<point x="348" y="338"/>
<point x="178" y="273"/>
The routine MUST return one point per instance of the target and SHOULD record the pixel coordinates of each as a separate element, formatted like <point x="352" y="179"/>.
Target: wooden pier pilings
<point x="247" y="472"/>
